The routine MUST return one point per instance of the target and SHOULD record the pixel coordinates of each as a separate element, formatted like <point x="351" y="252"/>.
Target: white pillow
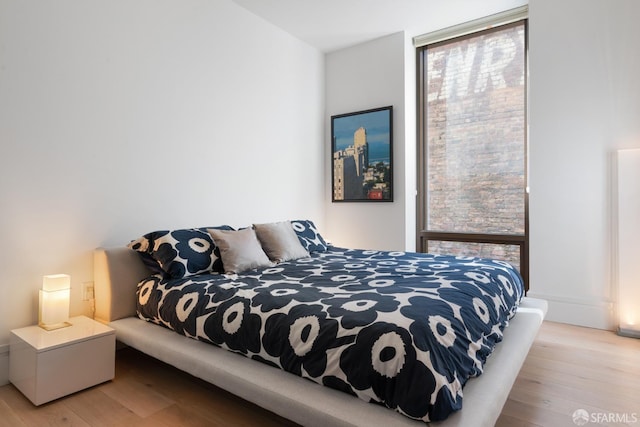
<point x="280" y="241"/>
<point x="240" y="250"/>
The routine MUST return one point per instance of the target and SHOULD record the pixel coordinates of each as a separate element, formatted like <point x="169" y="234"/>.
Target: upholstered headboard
<point x="116" y="273"/>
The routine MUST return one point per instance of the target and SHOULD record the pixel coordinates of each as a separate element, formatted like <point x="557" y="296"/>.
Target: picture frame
<point x="362" y="156"/>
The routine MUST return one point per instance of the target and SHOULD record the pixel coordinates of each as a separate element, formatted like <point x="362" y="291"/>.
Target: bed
<point x="133" y="299"/>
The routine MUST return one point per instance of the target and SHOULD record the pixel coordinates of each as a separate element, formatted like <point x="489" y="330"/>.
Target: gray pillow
<point x="280" y="241"/>
<point x="240" y="250"/>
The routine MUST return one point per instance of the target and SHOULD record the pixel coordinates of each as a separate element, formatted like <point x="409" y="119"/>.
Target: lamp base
<point x="631" y="333"/>
<point x="54" y="326"/>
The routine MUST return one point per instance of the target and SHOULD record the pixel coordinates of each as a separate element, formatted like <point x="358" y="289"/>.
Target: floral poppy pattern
<point x="405" y="330"/>
<point x="309" y="236"/>
<point x="179" y="253"/>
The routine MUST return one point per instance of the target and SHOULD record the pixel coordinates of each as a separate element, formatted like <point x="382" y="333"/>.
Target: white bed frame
<point x="117" y="272"/>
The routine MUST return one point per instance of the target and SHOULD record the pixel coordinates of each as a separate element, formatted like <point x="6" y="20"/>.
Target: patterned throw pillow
<point x="141" y="245"/>
<point x="309" y="236"/>
<point x="181" y="253"/>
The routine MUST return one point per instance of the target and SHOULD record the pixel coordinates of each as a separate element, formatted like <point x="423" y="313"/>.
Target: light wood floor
<point x="568" y="368"/>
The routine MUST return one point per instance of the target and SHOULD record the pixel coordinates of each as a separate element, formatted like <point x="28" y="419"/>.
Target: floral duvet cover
<point x="405" y="330"/>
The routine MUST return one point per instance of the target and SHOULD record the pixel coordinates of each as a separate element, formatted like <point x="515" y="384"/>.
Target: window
<point x="472" y="197"/>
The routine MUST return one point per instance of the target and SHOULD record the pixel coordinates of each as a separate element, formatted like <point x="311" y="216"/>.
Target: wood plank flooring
<point x="571" y="368"/>
<point x="568" y="368"/>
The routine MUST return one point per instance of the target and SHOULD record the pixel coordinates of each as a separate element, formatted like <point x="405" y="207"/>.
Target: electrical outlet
<point x="87" y="291"/>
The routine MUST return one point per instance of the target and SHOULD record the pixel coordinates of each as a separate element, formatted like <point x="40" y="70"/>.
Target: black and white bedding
<point x="404" y="330"/>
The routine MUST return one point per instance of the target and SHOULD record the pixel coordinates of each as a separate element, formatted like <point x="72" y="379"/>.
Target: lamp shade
<point x="54" y="301"/>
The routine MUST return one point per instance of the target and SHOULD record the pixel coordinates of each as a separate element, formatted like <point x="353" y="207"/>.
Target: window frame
<point x="423" y="234"/>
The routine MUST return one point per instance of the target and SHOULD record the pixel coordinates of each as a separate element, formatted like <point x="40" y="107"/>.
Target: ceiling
<point x="331" y="25"/>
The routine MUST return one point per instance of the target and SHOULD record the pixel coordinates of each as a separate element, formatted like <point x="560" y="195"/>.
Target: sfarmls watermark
<point x="582" y="417"/>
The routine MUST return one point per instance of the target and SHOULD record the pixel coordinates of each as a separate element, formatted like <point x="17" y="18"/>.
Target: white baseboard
<point x="4" y="364"/>
<point x="591" y="313"/>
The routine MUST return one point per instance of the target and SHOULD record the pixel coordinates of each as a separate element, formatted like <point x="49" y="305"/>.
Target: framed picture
<point x="362" y="156"/>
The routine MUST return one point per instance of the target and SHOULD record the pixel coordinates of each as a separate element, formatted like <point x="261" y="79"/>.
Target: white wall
<point x="119" y="117"/>
<point x="375" y="74"/>
<point x="584" y="104"/>
<point x="369" y="75"/>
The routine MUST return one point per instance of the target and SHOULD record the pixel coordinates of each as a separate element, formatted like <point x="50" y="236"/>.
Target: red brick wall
<point x="476" y="138"/>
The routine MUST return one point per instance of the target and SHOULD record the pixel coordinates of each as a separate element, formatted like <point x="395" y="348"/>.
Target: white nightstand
<point x="46" y="365"/>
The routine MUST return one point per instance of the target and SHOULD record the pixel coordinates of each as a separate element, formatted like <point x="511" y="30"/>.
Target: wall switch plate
<point x="87" y="291"/>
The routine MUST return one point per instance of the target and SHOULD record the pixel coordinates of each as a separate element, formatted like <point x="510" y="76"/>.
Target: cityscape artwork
<point x="362" y="156"/>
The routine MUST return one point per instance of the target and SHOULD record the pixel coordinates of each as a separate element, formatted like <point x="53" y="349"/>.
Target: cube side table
<point x="47" y="365"/>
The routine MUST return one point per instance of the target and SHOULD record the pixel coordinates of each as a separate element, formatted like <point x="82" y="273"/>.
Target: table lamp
<point x="53" y="310"/>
